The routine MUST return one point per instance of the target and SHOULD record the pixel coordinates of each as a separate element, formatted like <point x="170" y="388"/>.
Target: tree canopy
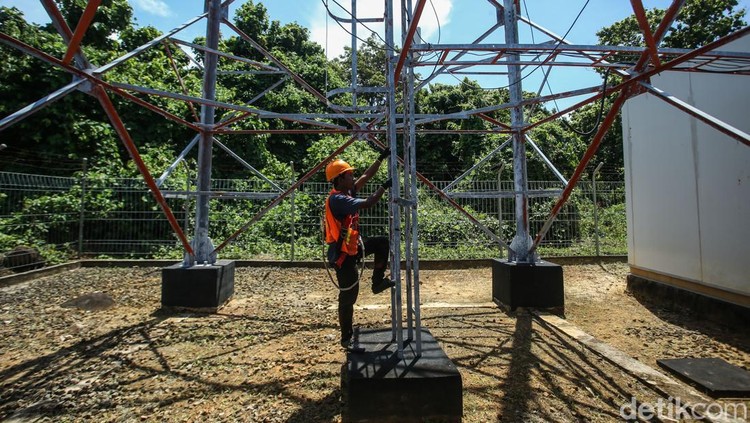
<point x="75" y="126"/>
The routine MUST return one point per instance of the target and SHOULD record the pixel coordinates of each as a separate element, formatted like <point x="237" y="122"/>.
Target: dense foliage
<point x="75" y="126"/>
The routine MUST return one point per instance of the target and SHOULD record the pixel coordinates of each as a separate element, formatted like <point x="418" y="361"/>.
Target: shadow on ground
<point x="174" y="368"/>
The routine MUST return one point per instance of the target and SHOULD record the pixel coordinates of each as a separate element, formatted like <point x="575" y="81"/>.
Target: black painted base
<point x="537" y="285"/>
<point x="201" y="287"/>
<point x="377" y="386"/>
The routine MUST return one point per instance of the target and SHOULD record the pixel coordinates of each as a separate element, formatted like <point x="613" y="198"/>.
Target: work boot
<point x="381" y="285"/>
<point x="346" y="338"/>
<point x="350" y="346"/>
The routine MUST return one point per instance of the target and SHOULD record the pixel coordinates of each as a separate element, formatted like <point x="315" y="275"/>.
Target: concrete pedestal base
<point x="537" y="285"/>
<point x="377" y="386"/>
<point x="201" y="287"/>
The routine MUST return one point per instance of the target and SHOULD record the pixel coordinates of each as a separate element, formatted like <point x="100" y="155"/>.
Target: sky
<point x="443" y="21"/>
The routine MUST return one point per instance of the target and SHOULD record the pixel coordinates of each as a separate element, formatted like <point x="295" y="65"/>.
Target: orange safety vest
<point x="345" y="233"/>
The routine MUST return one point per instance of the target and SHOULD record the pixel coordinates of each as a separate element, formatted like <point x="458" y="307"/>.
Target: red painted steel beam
<point x="590" y="151"/>
<point x="494" y="121"/>
<point x="100" y="94"/>
<point x="83" y="25"/>
<point x="149" y="106"/>
<point x="283" y="195"/>
<point x="409" y="38"/>
<point x="624" y="89"/>
<point x="648" y="37"/>
<point x="119" y="126"/>
<point x="645" y="75"/>
<point x="447" y="199"/>
<point x="669" y="16"/>
<point x="443" y="56"/>
<point x="93" y="79"/>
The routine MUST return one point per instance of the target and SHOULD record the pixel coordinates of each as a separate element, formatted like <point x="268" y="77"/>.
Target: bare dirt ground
<point x="272" y="353"/>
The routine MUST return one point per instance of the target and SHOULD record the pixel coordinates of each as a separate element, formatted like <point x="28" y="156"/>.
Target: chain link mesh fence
<point x="62" y="218"/>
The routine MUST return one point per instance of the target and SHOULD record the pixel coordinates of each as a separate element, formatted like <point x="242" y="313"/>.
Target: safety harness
<point x="345" y="235"/>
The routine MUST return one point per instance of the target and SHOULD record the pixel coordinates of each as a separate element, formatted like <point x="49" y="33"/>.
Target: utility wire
<point x="599" y="114"/>
<point x="559" y="43"/>
<point x="358" y="21"/>
<point x="549" y="87"/>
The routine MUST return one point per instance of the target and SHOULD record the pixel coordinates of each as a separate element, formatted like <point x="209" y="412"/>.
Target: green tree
<point x="25" y="79"/>
<point x="60" y="129"/>
<point x="291" y="45"/>
<point x="111" y="18"/>
<point x="698" y="23"/>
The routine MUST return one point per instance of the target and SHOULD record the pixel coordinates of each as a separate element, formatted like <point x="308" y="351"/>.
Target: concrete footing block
<point x="203" y="288"/>
<point x="378" y="386"/>
<point x="535" y="285"/>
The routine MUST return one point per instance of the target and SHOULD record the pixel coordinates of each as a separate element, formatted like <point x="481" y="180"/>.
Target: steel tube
<point x="228" y="120"/>
<point x="590" y="151"/>
<point x="147" y="45"/>
<point x="394" y="210"/>
<point x="247" y="165"/>
<point x="506" y="194"/>
<point x="456" y="57"/>
<point x="34" y="107"/>
<point x="546" y="160"/>
<point x="411" y="178"/>
<point x="227" y="55"/>
<point x="704" y="117"/>
<point x="201" y="241"/>
<point x="477" y="164"/>
<point x="180" y="158"/>
<point x="119" y="126"/>
<point x="521" y="239"/>
<point x="278" y="199"/>
<point x="213" y="103"/>
<point x="518" y="103"/>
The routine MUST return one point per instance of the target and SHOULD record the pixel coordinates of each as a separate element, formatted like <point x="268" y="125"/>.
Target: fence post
<point x="291" y="247"/>
<point x="82" y="206"/>
<point x="596" y="207"/>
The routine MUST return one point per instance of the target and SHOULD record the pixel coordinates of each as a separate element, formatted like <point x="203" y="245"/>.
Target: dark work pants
<point x="347" y="276"/>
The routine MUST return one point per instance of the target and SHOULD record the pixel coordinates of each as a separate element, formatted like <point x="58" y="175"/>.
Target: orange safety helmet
<point x="336" y="168"/>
